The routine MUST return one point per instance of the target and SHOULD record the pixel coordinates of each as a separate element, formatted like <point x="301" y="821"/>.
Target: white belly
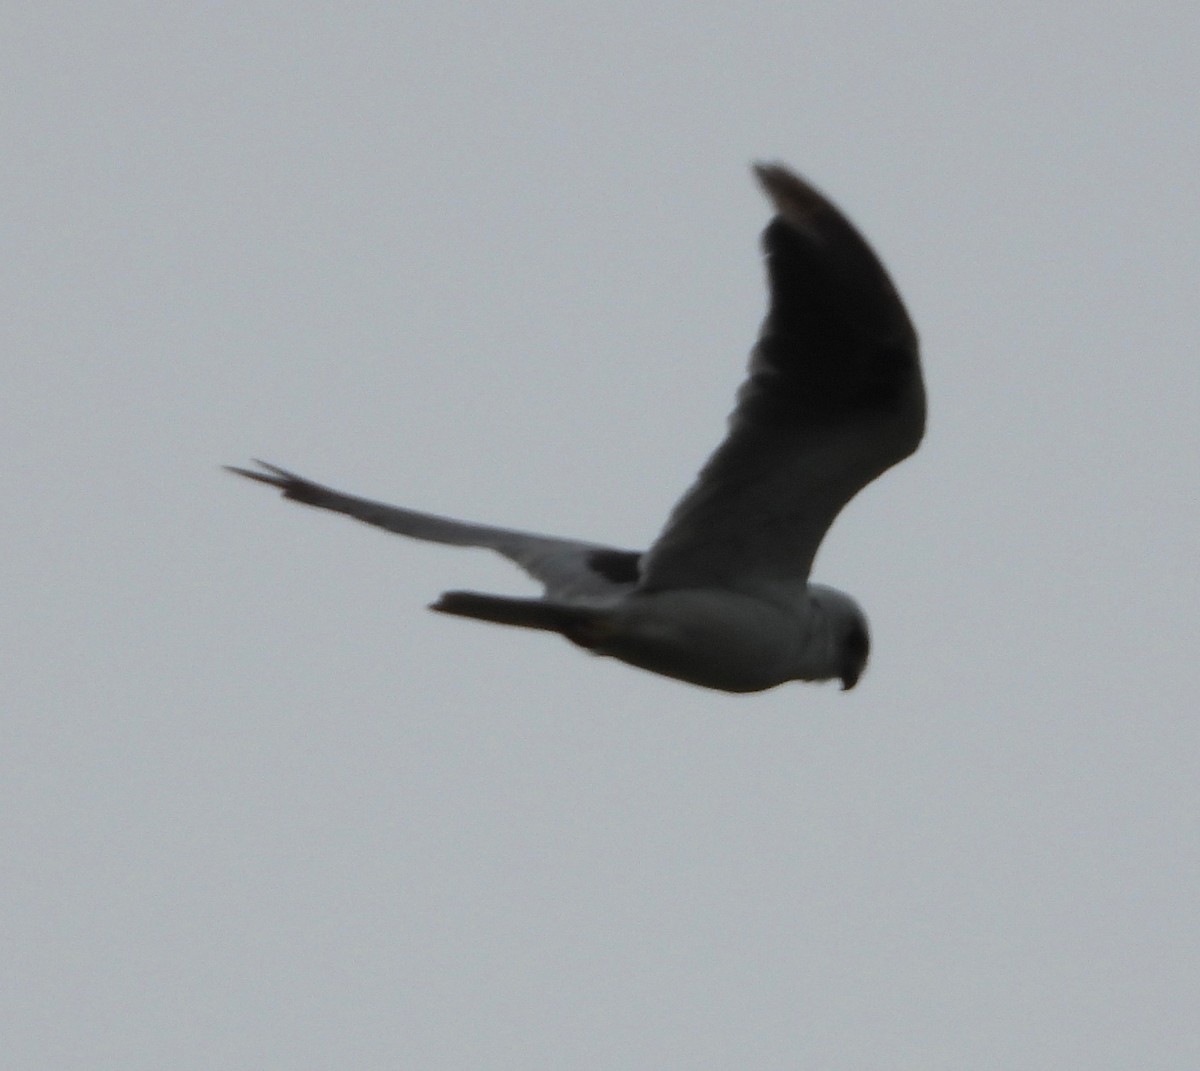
<point x="718" y="639"/>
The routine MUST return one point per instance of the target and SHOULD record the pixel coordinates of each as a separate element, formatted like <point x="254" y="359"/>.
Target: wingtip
<point x="250" y="474"/>
<point x="273" y="477"/>
<point x="793" y="198"/>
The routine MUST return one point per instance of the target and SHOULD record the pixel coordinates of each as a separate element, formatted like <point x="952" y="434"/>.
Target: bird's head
<point x="849" y="633"/>
<point x="855" y="650"/>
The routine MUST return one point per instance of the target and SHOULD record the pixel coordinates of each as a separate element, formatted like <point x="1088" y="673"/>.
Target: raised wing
<point x="833" y="399"/>
<point x="569" y="569"/>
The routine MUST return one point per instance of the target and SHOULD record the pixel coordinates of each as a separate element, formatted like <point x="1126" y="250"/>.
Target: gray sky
<point x="500" y="261"/>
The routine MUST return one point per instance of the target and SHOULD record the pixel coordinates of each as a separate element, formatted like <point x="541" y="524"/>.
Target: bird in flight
<point x="722" y="599"/>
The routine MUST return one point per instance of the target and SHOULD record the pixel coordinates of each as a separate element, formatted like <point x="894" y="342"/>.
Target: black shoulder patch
<point x="618" y="566"/>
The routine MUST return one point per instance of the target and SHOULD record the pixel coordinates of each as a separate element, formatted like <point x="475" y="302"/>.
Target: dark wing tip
<point x="812" y="247"/>
<point x="273" y="477"/>
<point x="793" y="198"/>
<point x="294" y="487"/>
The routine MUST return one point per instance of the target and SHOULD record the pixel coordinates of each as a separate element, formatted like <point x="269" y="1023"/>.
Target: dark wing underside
<point x="833" y="399"/>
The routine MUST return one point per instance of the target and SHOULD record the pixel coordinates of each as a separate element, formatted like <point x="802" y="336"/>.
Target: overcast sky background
<point x="500" y="261"/>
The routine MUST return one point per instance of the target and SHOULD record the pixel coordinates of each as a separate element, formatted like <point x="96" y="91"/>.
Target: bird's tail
<point x="579" y="624"/>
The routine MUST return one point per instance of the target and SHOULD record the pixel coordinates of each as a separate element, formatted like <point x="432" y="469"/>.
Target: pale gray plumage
<point x="722" y="598"/>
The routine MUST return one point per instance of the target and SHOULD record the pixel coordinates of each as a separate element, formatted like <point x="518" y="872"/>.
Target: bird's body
<point x="722" y="598"/>
<point x="707" y="636"/>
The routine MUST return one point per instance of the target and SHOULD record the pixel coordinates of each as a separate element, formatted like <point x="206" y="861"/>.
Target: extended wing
<point x="833" y="399"/>
<point x="569" y="569"/>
